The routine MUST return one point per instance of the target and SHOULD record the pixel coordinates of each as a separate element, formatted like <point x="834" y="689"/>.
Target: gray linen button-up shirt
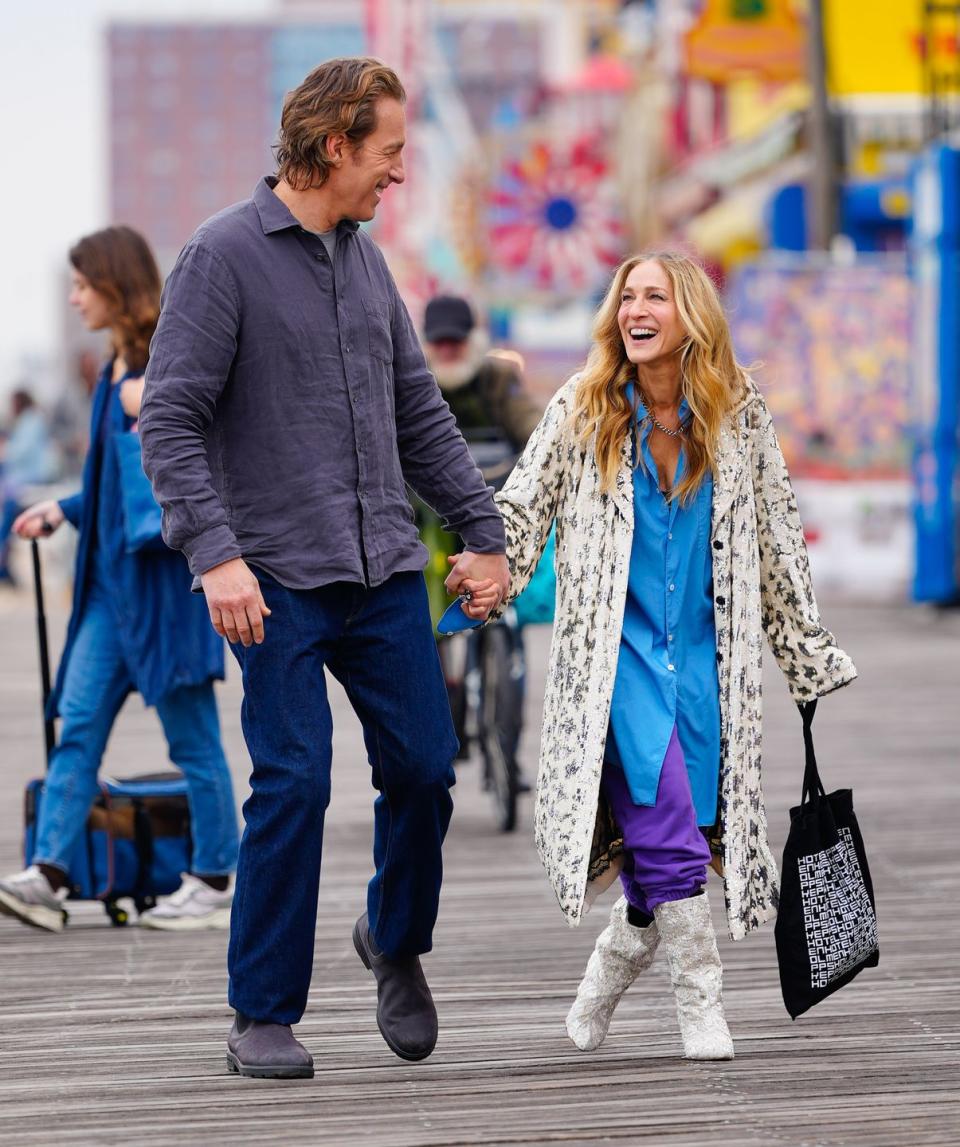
<point x="287" y="402"/>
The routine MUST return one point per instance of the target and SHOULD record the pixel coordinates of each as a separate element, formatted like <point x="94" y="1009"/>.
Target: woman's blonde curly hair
<point x="711" y="379"/>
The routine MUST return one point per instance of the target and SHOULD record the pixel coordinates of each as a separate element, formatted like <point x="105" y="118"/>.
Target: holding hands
<point x="486" y="577"/>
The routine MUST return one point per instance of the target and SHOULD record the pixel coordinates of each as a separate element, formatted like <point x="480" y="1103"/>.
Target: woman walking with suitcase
<point x="678" y="545"/>
<point x="135" y="627"/>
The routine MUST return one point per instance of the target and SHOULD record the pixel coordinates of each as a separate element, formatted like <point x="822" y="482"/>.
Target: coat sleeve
<point x="518" y="413"/>
<point x="807" y="653"/>
<point x="530" y="497"/>
<point x="72" y="508"/>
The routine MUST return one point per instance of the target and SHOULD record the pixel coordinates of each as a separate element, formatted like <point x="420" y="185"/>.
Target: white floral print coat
<point x="761" y="582"/>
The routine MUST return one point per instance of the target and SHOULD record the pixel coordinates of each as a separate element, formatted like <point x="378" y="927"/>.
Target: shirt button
<point x="669" y="637"/>
<point x="669" y="537"/>
<point x="320" y="257"/>
<point x="671" y="668"/>
<point x="671" y="587"/>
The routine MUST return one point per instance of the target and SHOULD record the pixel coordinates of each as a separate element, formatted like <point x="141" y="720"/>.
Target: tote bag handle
<point x="812" y="785"/>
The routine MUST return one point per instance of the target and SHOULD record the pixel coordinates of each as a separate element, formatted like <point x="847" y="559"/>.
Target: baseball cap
<point x="447" y="317"/>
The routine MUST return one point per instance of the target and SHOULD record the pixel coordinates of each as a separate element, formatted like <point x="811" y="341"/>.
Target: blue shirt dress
<point x="667" y="668"/>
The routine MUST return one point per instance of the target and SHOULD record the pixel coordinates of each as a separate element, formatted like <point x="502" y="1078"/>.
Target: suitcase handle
<point x="48" y="731"/>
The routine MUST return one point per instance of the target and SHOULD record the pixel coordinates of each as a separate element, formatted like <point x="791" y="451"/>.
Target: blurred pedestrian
<point x="28" y="457"/>
<point x="134" y="627"/>
<point x="679" y="544"/>
<point x="495" y="413"/>
<point x="485" y="391"/>
<point x="287" y="403"/>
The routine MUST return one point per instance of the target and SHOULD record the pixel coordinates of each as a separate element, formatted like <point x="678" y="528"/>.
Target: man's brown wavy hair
<point x="118" y="263"/>
<point x="340" y="95"/>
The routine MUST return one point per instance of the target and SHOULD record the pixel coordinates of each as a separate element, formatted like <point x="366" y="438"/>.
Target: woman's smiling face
<point x="649" y="322"/>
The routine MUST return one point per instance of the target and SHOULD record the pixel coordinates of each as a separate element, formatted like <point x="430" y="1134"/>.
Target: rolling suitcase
<point x="136" y="841"/>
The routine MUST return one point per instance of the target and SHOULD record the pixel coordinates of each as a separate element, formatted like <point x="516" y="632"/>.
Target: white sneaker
<point x="29" y="897"/>
<point x="194" y="907"/>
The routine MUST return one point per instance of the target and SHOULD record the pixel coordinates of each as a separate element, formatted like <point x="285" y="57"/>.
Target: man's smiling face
<point x="368" y="168"/>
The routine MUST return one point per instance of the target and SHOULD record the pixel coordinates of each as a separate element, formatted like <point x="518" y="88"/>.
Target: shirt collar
<point x="275" y="215"/>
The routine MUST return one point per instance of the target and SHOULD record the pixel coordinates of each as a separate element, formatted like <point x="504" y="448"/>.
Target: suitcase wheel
<point x="118" y="916"/>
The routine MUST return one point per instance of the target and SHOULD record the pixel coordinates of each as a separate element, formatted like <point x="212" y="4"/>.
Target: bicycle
<point x="484" y="669"/>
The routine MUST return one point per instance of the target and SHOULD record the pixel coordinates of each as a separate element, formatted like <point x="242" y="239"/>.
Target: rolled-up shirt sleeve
<point x="190" y="361"/>
<point x="436" y="461"/>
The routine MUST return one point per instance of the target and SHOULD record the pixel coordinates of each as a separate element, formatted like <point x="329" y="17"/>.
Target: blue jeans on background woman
<point x="96" y="684"/>
<point x="134" y="627"/>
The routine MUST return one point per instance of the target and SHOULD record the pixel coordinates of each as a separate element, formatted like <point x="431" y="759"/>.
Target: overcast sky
<point x="52" y="116"/>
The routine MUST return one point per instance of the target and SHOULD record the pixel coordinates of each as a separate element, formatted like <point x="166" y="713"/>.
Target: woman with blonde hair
<point x="678" y="545"/>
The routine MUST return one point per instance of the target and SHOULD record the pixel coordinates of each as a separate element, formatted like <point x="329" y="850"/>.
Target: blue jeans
<point x="9" y="509"/>
<point x="379" y="645"/>
<point x="96" y="685"/>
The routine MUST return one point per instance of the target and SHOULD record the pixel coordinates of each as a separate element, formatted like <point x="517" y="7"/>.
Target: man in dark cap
<point x="484" y="389"/>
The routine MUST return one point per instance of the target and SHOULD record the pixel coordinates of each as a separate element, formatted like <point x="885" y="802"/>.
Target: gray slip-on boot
<point x="266" y="1051"/>
<point x="621" y="953"/>
<point x="696" y="974"/>
<point x="406" y="1015"/>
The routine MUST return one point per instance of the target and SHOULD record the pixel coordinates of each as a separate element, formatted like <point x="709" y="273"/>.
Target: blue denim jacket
<point x="164" y="629"/>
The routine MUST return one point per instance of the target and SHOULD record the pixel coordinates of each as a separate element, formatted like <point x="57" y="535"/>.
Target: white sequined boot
<point x="621" y="953"/>
<point x="696" y="974"/>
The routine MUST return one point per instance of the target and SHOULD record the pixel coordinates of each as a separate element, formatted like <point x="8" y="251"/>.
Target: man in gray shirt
<point x="287" y="403"/>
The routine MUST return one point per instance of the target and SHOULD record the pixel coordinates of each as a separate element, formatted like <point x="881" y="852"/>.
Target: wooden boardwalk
<point x="116" y="1036"/>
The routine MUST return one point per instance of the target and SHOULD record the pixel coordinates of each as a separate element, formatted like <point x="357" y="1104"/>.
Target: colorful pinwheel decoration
<point x="553" y="218"/>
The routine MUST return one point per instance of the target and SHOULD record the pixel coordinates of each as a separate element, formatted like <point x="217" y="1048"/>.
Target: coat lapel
<point x="623" y="491"/>
<point x="733" y="460"/>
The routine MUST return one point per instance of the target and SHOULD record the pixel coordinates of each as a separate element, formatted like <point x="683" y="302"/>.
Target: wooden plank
<point x="111" y="1035"/>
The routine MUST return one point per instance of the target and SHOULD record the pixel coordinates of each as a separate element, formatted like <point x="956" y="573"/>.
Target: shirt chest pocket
<point x="377" y="312"/>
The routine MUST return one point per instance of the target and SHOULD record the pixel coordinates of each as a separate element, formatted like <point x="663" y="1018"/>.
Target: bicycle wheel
<point x="500" y="722"/>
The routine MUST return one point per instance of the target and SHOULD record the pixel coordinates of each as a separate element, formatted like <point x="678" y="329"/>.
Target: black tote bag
<point x="826" y="929"/>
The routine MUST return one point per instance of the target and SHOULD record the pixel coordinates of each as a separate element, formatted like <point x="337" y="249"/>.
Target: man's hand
<point x="131" y="394"/>
<point x="42" y="518"/>
<point x="236" y="605"/>
<point x="478" y="568"/>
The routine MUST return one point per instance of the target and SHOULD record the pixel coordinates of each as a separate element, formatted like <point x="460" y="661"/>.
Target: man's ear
<point x="336" y="146"/>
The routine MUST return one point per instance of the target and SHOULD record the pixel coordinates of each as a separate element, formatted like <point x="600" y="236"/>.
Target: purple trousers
<point x="665" y="855"/>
